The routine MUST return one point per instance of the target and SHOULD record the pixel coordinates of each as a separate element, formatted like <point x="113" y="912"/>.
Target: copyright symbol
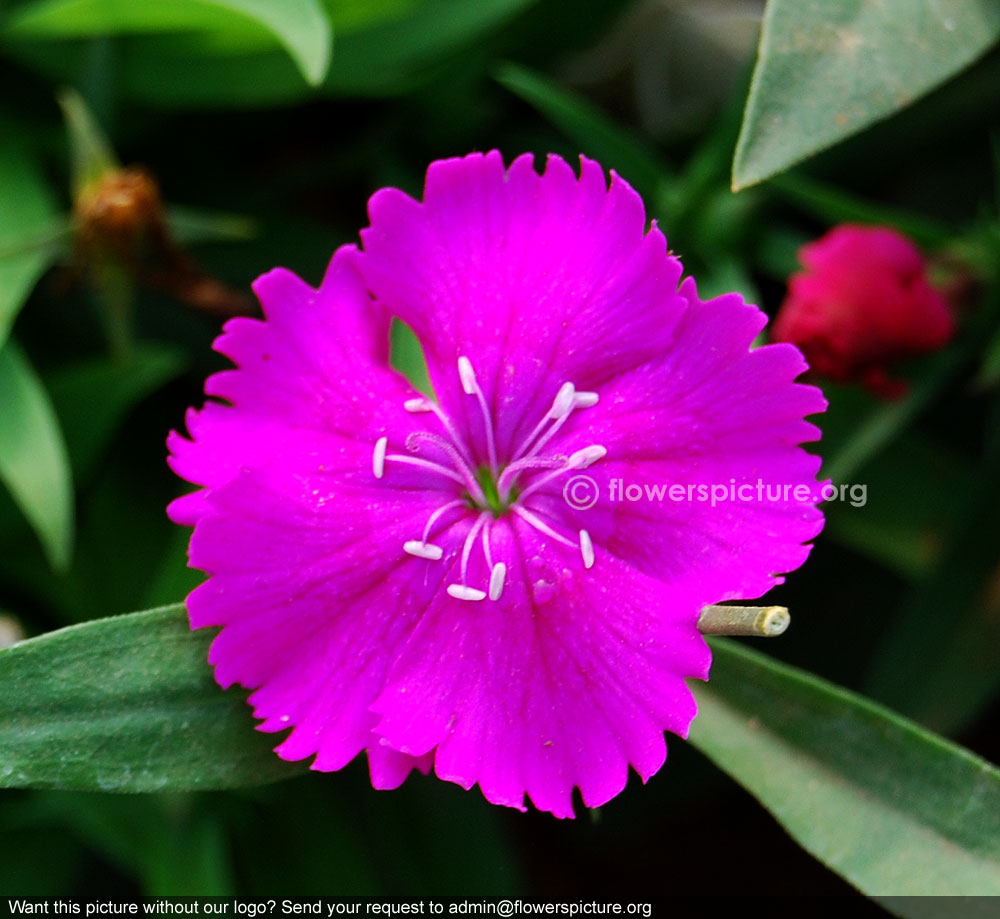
<point x="581" y="492"/>
<point x="505" y="908"/>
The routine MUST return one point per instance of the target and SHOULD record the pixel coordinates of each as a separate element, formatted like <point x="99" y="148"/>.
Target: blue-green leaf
<point x="126" y="704"/>
<point x="29" y="227"/>
<point x="892" y="808"/>
<point x="594" y="132"/>
<point x="828" y="68"/>
<point x="33" y="460"/>
<point x="301" y="27"/>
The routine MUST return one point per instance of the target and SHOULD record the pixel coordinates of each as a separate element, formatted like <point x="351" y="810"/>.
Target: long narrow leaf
<point x="29" y="227"/>
<point x="126" y="704"/>
<point x="33" y="461"/>
<point x="894" y="809"/>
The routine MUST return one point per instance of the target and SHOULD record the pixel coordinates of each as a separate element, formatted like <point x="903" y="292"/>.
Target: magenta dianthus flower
<point x="412" y="577"/>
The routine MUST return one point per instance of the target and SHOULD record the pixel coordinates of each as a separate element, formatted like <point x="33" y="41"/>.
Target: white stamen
<point x="497" y="576"/>
<point x="586" y="549"/>
<point x="441" y="510"/>
<point x="563" y="402"/>
<point x="461" y="592"/>
<point x="378" y="463"/>
<point x="541" y="525"/>
<point x="562" y="405"/>
<point x="378" y="457"/>
<point x="579" y="460"/>
<point x="585" y="399"/>
<point x="457" y="441"/>
<point x="536" y="462"/>
<point x="419" y="404"/>
<point x="487" y="551"/>
<point x="423" y="549"/>
<point x="472" y="388"/>
<point x="468" y="376"/>
<point x="586" y="457"/>
<point x="470" y="539"/>
<point x="458" y="459"/>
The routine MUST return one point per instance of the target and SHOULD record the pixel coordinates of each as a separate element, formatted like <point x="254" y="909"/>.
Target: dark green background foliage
<point x="125" y="770"/>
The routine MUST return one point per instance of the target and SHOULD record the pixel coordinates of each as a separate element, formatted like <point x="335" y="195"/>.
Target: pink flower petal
<point x="568" y="679"/>
<point x="539" y="279"/>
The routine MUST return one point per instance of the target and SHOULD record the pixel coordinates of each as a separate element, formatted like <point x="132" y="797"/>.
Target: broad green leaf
<point x="93" y="397"/>
<point x="593" y="132"/>
<point x="892" y="808"/>
<point x="126" y="704"/>
<point x="381" y="49"/>
<point x="33" y="461"/>
<point x="28" y="227"/>
<point x="301" y="27"/>
<point x="828" y="68"/>
<point x="350" y="15"/>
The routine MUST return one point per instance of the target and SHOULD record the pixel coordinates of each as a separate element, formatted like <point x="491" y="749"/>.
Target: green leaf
<point x="886" y="421"/>
<point x="126" y="704"/>
<point x="883" y="521"/>
<point x="33" y="461"/>
<point x="889" y="806"/>
<point x="91" y="154"/>
<point x="382" y="56"/>
<point x="594" y="133"/>
<point x="189" y="225"/>
<point x="28" y="227"/>
<point x="301" y="27"/>
<point x="828" y="68"/>
<point x="407" y="356"/>
<point x="93" y="397"/>
<point x="833" y="205"/>
<point x="382" y="49"/>
<point x="937" y="658"/>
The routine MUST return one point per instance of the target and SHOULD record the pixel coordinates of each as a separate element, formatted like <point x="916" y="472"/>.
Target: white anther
<point x="419" y="404"/>
<point x="461" y="592"/>
<point x="586" y="549"/>
<point x="497" y="576"/>
<point x="468" y="376"/>
<point x="471" y="387"/>
<point x="585" y="399"/>
<point x="422" y="549"/>
<point x="378" y="457"/>
<point x="563" y="402"/>
<point x="586" y="457"/>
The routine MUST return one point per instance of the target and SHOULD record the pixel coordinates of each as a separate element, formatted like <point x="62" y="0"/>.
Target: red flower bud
<point x="862" y="303"/>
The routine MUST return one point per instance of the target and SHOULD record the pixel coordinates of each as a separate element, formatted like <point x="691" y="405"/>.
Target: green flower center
<point x="491" y="500"/>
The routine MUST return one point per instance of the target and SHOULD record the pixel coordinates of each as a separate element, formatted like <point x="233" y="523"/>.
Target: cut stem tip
<point x="757" y="621"/>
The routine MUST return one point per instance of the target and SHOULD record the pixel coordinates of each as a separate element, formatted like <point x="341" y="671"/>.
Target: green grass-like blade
<point x="891" y="807"/>
<point x="126" y="704"/>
